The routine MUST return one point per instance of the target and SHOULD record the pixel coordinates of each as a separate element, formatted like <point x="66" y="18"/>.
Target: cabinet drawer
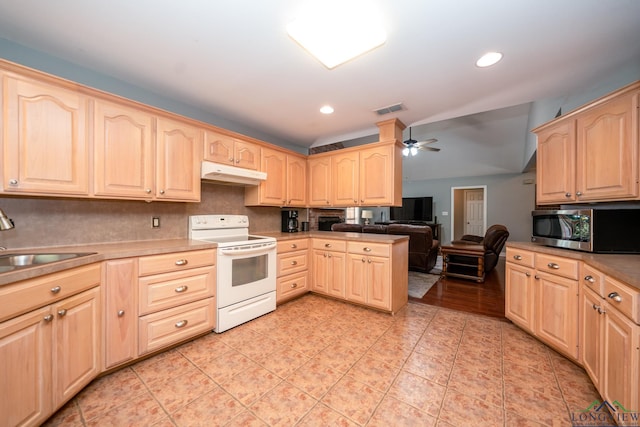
<point x="374" y="249"/>
<point x="559" y="266"/>
<point x="520" y="257"/>
<point x="24" y="296"/>
<point x="155" y="264"/>
<point x="167" y="327"/>
<point x="593" y="279"/>
<point x="293" y="263"/>
<point x="172" y="289"/>
<point x="292" y="245"/>
<point x="628" y="303"/>
<point x="294" y="284"/>
<point x="330" y="245"/>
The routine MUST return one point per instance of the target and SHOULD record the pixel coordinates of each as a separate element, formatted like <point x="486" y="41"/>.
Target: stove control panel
<point x="214" y="222"/>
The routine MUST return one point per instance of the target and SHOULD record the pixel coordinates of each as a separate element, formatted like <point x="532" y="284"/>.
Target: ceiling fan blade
<point x="429" y="148"/>
<point x="428" y="141"/>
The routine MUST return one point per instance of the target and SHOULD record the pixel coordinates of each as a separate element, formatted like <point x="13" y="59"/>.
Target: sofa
<point x="423" y="248"/>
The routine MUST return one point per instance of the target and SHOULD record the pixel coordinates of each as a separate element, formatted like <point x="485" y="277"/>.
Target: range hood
<point x="225" y="174"/>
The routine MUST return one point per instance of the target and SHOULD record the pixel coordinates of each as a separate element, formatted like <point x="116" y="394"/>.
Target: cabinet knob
<point x="327" y="245"/>
<point x="537" y="277"/>
<point x="231" y="159"/>
<point x="589" y="279"/>
<point x="369" y="260"/>
<point x="578" y="193"/>
<point x="615" y="296"/>
<point x="294" y="246"/>
<point x="294" y="262"/>
<point x="181" y="289"/>
<point x="181" y="324"/>
<point x="48" y="318"/>
<point x="62" y="312"/>
<point x="517" y="257"/>
<point x="120" y="313"/>
<point x="294" y="285"/>
<point x="567" y="195"/>
<point x="553" y="266"/>
<point x="325" y="254"/>
<point x="147" y="190"/>
<point x="355" y="201"/>
<point x="182" y="262"/>
<point x="329" y="255"/>
<point x="362" y="259"/>
<point x="367" y="249"/>
<point x="56" y="290"/>
<point x="161" y="191"/>
<point x="527" y="274"/>
<point x="13" y="182"/>
<point x="238" y="161"/>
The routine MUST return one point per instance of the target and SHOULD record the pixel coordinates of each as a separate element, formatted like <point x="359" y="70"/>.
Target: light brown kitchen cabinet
<point x="345" y="168"/>
<point x="293" y="269"/>
<point x="520" y="288"/>
<point x="329" y="267"/>
<point x="120" y="311"/>
<point x="591" y="334"/>
<point x="319" y="182"/>
<point x="285" y="184"/>
<point x="178" y="157"/>
<point x="222" y="148"/>
<point x="46" y="146"/>
<point x="49" y="354"/>
<point x="124" y="153"/>
<point x="368" y="280"/>
<point x="591" y="154"/>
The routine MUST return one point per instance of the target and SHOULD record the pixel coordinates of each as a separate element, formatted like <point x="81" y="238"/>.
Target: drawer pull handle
<point x="13" y="181"/>
<point x="120" y="313"/>
<point x="62" y="312"/>
<point x="182" y="262"/>
<point x="56" y="289"/>
<point x="327" y="245"/>
<point x="366" y="249"/>
<point x="553" y="266"/>
<point x="181" y="324"/>
<point x="615" y="296"/>
<point x="595" y="307"/>
<point x="294" y="262"/>
<point x="181" y="289"/>
<point x="362" y="259"/>
<point x="294" y="285"/>
<point x="294" y="246"/>
<point x="527" y="274"/>
<point x="517" y="257"/>
<point x="589" y="279"/>
<point x="48" y="318"/>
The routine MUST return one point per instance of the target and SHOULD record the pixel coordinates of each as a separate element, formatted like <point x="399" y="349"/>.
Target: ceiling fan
<point x="411" y="146"/>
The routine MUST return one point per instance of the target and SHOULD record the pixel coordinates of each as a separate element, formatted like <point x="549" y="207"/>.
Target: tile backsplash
<point x="41" y="222"/>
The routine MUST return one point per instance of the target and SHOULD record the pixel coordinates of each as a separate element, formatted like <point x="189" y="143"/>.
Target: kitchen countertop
<point x="625" y="268"/>
<point x="360" y="237"/>
<point x="103" y="251"/>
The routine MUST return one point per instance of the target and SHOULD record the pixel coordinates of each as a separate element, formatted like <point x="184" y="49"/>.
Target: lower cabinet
<point x="328" y="267"/>
<point x="48" y="355"/>
<point x="293" y="269"/>
<point x="519" y="291"/>
<point x="368" y="276"/>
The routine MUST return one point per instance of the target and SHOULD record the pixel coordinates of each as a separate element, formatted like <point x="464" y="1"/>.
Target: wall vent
<point x="390" y="109"/>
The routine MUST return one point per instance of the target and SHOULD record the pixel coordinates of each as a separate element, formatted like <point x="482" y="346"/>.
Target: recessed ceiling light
<point x="335" y="31"/>
<point x="326" y="109"/>
<point x="488" y="59"/>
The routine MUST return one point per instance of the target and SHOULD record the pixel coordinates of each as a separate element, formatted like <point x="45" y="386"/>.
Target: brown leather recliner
<point x="492" y="243"/>
<point x="343" y="226"/>
<point x="423" y="249"/>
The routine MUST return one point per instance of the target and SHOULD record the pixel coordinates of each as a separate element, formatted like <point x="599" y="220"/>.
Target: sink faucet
<point x="5" y="222"/>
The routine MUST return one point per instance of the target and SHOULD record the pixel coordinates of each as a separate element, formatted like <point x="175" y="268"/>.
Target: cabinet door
<point x="120" y="316"/>
<point x="273" y="190"/>
<point x="178" y="152"/>
<point x="557" y="313"/>
<point x="319" y="181"/>
<point x="296" y="181"/>
<point x="377" y="176"/>
<point x="25" y="371"/>
<point x="620" y="360"/>
<point x="556" y="163"/>
<point x="45" y="139"/>
<point x="219" y="148"/>
<point x="356" y="286"/>
<point x="519" y="296"/>
<point x="345" y="179"/>
<point x="124" y="155"/>
<point x="591" y="334"/>
<point x="336" y="283"/>
<point x="77" y="344"/>
<point x="246" y="155"/>
<point x="320" y="272"/>
<point x="607" y="150"/>
<point x="378" y="282"/>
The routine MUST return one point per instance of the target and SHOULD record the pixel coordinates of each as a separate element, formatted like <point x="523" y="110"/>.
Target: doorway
<point x="468" y="211"/>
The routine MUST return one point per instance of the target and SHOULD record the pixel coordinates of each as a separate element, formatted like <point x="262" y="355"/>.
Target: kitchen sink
<point x="10" y="262"/>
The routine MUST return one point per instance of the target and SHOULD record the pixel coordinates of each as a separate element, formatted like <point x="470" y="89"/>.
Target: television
<point x="413" y="209"/>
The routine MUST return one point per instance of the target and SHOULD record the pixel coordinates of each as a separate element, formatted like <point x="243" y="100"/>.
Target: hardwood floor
<point x="469" y="296"/>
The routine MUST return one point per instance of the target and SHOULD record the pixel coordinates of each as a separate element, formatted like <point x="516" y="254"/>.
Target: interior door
<point x="474" y="212"/>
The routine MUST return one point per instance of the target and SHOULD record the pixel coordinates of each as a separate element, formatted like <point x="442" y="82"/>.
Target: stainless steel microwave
<point x="591" y="230"/>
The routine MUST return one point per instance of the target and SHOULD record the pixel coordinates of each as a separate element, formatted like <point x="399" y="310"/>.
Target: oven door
<point x="245" y="272"/>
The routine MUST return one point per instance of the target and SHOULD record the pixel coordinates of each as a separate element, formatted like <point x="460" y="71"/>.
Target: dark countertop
<point x="103" y="251"/>
<point x="361" y="237"/>
<point x="625" y="268"/>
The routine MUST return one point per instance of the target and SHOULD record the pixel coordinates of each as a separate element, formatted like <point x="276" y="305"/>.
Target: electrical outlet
<point x="155" y="222"/>
<point x="445" y="213"/>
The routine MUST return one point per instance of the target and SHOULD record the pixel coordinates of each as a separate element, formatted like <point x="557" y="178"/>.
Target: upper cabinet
<point x="286" y="183"/>
<point x="221" y="148"/>
<point x="46" y="146"/>
<point x="319" y="181"/>
<point x="591" y="154"/>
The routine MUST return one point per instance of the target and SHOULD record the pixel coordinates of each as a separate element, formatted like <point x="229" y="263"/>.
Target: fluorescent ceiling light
<point x="335" y="31"/>
<point x="488" y="59"/>
<point x="326" y="109"/>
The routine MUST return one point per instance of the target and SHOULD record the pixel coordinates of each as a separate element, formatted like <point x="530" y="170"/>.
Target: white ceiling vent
<point x="390" y="109"/>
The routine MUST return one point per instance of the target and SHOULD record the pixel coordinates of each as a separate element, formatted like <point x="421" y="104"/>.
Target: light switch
<point x="155" y="222"/>
<point x="445" y="213"/>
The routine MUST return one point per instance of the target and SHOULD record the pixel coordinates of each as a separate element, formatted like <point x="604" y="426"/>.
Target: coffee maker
<point x="289" y="221"/>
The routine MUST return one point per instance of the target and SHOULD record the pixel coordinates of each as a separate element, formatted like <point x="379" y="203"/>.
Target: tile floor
<point x="320" y="362"/>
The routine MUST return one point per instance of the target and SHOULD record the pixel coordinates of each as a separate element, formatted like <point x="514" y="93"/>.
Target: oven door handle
<point x="248" y="250"/>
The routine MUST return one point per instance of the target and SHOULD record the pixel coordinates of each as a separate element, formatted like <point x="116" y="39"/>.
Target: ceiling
<point x="234" y="60"/>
